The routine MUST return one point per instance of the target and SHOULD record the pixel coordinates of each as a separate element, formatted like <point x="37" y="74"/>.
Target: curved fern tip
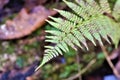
<point x="46" y="20"/>
<point x="65" y="1"/>
<point x="86" y="47"/>
<point x="49" y="16"/>
<point x="39" y="66"/>
<point x="94" y="42"/>
<point x="108" y="41"/>
<point x="56" y="10"/>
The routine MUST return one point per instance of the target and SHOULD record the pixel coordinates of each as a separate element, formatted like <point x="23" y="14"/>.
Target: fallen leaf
<point x="28" y="21"/>
<point x="29" y="4"/>
<point x="24" y="23"/>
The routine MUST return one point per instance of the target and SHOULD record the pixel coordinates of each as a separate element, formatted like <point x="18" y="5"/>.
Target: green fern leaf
<point x="116" y="10"/>
<point x="87" y="21"/>
<point x="105" y="6"/>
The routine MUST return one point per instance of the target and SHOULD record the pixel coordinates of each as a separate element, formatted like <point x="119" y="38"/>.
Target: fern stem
<point x="109" y="62"/>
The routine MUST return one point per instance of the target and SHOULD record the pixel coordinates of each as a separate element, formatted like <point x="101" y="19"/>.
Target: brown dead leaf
<point x="29" y="4"/>
<point x="24" y="23"/>
<point x="37" y="2"/>
<point x="28" y="20"/>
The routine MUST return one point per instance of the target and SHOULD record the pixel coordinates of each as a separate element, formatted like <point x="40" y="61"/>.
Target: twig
<point x="78" y="63"/>
<point x="109" y="62"/>
<point x="82" y="71"/>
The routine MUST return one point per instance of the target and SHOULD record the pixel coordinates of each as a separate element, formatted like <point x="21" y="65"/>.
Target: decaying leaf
<point x="35" y="2"/>
<point x="24" y="23"/>
<point x="29" y="4"/>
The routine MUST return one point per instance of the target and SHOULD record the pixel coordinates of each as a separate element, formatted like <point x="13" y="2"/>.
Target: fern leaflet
<point x="87" y="22"/>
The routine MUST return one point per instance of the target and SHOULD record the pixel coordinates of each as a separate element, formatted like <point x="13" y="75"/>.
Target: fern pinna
<point x="89" y="20"/>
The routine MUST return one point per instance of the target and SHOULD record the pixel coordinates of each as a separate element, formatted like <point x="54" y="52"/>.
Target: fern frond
<point x="69" y="16"/>
<point x="105" y="6"/>
<point x="116" y="10"/>
<point x="95" y="7"/>
<point x="77" y="9"/>
<point x="86" y="22"/>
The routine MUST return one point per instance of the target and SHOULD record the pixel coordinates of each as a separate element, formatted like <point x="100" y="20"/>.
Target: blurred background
<point x="22" y="35"/>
